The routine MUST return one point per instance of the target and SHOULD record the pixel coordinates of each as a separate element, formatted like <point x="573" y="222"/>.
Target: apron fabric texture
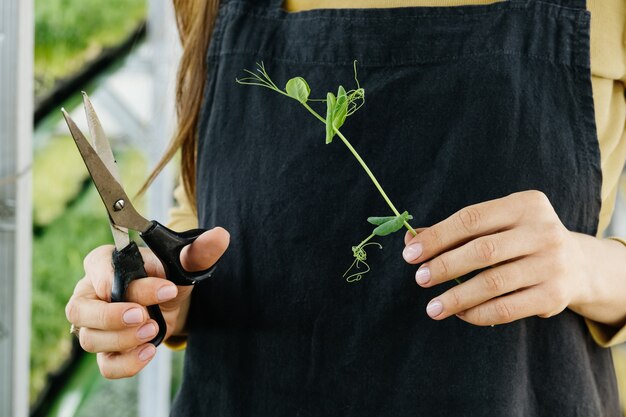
<point x="463" y="105"/>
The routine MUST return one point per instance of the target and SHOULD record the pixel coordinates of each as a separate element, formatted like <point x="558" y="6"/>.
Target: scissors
<point x="127" y="261"/>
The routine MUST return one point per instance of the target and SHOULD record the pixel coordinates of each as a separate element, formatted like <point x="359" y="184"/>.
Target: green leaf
<point x="341" y="108"/>
<point x="389" y="225"/>
<point x="336" y="112"/>
<point x="298" y="89"/>
<point x="331" y="101"/>
<point x="377" y="221"/>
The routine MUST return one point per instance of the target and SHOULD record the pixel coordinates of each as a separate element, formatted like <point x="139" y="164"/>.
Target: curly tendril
<point x="360" y="256"/>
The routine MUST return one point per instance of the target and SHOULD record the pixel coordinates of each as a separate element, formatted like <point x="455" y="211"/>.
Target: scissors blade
<point x="118" y="205"/>
<point x="103" y="148"/>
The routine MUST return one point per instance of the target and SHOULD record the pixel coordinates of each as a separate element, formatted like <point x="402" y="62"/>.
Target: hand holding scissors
<point x="99" y="319"/>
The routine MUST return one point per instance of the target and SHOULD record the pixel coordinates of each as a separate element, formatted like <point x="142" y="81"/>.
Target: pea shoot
<point x="339" y="107"/>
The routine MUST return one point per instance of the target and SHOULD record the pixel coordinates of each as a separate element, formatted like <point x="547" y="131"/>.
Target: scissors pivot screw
<point x="119" y="205"/>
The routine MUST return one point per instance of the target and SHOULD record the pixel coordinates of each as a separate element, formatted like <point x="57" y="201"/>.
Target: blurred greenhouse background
<point x="68" y="34"/>
<point x="104" y="49"/>
<point x="71" y="37"/>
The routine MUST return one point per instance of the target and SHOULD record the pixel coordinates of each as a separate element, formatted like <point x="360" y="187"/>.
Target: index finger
<point x="464" y="225"/>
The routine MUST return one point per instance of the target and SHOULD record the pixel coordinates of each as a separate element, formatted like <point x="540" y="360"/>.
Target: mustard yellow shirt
<point x="608" y="70"/>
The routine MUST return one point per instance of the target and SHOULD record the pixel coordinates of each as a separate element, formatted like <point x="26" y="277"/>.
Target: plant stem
<point x="374" y="180"/>
<point x="360" y="245"/>
<point x="365" y="167"/>
<point x="314" y="113"/>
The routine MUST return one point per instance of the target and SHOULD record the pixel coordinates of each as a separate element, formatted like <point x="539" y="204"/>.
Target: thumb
<point x="206" y="250"/>
<point x="408" y="236"/>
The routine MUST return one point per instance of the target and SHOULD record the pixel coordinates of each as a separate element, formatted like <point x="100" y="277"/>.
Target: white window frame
<point x="16" y="127"/>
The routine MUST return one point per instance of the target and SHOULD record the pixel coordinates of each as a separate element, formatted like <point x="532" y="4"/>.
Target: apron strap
<point x="572" y="4"/>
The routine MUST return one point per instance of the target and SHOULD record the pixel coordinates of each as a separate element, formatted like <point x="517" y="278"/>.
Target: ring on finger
<point x="75" y="330"/>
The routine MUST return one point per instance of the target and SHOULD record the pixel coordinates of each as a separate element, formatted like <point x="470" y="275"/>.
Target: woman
<point x="479" y="121"/>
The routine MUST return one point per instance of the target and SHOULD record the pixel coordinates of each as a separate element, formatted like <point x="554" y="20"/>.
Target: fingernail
<point x="146" y="353"/>
<point x="412" y="252"/>
<point x="434" y="308"/>
<point x="146" y="331"/>
<point x="166" y="293"/>
<point x="422" y="276"/>
<point x="133" y="316"/>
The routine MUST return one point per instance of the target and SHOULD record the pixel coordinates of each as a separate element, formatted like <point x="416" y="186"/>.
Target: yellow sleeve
<point x="607" y="336"/>
<point x="608" y="68"/>
<point x="181" y="217"/>
<point x="176" y="343"/>
<point x="608" y="76"/>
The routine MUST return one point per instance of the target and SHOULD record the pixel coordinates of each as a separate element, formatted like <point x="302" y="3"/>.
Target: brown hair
<point x="195" y="20"/>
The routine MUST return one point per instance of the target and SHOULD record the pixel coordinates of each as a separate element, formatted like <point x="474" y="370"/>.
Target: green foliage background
<point x="69" y="218"/>
<point x="70" y="32"/>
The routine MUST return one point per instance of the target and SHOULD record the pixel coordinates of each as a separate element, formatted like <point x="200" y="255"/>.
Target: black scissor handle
<point x="167" y="245"/>
<point x="128" y="266"/>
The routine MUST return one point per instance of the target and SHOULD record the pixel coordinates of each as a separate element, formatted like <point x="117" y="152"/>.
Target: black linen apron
<point x="463" y="105"/>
